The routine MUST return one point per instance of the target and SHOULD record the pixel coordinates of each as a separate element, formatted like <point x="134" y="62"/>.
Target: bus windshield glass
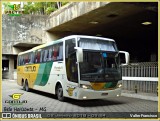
<point x="100" y="61"/>
<point x="97" y="44"/>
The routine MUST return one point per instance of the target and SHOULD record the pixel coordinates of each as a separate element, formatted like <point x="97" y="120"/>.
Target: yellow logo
<point x="70" y="91"/>
<point x="16" y="96"/>
<point x="16" y="7"/>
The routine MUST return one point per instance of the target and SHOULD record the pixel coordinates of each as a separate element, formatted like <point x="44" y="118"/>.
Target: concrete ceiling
<point x="113" y="16"/>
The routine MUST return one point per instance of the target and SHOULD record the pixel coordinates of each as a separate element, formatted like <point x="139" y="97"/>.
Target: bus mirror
<point x="79" y="54"/>
<point x="127" y="58"/>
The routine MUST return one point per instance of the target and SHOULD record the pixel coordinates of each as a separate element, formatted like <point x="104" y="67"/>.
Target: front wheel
<point x="60" y="93"/>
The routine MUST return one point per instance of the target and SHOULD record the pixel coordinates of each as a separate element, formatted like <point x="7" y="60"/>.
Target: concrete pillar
<point x="11" y="67"/>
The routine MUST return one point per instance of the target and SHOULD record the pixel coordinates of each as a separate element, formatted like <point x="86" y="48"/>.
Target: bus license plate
<point x="104" y="94"/>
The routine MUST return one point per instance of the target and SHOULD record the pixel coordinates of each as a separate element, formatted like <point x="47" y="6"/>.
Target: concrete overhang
<point x="102" y="18"/>
<point x="125" y="22"/>
<point x="25" y="45"/>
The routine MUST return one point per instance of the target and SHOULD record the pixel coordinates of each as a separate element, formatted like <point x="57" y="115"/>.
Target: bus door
<point x="70" y="60"/>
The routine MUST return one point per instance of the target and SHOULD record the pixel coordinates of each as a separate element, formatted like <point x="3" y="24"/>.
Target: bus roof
<point x="86" y="36"/>
<point x="63" y="39"/>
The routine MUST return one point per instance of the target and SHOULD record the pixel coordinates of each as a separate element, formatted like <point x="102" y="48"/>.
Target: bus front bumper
<point x="85" y="94"/>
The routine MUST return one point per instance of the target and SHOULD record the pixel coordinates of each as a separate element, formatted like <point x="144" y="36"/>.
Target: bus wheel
<point x="26" y="86"/>
<point x="60" y="93"/>
<point x="23" y="84"/>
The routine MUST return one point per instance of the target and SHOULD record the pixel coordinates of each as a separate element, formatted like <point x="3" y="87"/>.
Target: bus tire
<point x="26" y="86"/>
<point x="23" y="86"/>
<point x="59" y="93"/>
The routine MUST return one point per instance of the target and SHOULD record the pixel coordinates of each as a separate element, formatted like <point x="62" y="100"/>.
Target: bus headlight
<point x="85" y="86"/>
<point x="119" y="85"/>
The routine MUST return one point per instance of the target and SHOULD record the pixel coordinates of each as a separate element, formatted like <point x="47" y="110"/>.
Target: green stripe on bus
<point x="110" y="85"/>
<point x="40" y="73"/>
<point x="46" y="74"/>
<point x="43" y="74"/>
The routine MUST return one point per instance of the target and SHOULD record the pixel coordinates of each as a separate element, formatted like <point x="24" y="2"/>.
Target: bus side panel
<point x="27" y="73"/>
<point x="48" y="75"/>
<point x="32" y="74"/>
<point x="41" y="81"/>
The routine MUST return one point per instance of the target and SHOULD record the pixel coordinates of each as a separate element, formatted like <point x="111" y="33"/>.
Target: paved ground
<point x="36" y="99"/>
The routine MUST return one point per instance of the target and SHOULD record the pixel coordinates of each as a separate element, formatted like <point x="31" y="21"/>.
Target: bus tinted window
<point x="50" y="54"/>
<point x="57" y="52"/>
<point x="45" y="57"/>
<point x="41" y="56"/>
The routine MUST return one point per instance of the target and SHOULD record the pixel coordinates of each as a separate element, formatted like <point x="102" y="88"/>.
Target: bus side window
<point x="45" y="55"/>
<point x="50" y="54"/>
<point x="60" y="52"/>
<point x="26" y="59"/>
<point x="35" y="57"/>
<point x="55" y="52"/>
<point x="22" y="61"/>
<point x="30" y="58"/>
<point x="38" y="56"/>
<point x="41" y="56"/>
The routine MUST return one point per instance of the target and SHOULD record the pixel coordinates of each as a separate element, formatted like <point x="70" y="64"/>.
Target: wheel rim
<point x="60" y="93"/>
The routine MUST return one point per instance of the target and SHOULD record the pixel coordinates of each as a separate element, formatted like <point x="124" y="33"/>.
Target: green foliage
<point x="50" y="10"/>
<point x="6" y="6"/>
<point x="38" y="8"/>
<point x="42" y="8"/>
<point x="29" y="8"/>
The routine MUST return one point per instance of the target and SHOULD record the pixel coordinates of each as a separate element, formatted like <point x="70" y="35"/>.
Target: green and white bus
<point x="77" y="66"/>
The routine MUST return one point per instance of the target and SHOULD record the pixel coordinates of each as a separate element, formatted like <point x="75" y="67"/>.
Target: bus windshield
<point x="97" y="44"/>
<point x="100" y="61"/>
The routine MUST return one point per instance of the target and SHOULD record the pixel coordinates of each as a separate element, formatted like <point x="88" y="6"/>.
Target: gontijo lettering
<point x="30" y="68"/>
<point x="16" y="96"/>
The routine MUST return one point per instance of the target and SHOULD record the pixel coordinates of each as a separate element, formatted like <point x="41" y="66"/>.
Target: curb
<point x="151" y="98"/>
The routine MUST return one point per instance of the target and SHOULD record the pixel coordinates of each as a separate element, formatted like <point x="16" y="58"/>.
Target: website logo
<point x="14" y="7"/>
<point x="16" y="99"/>
<point x="15" y="10"/>
<point x="16" y="96"/>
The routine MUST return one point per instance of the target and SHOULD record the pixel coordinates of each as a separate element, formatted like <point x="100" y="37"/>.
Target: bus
<point x="77" y="66"/>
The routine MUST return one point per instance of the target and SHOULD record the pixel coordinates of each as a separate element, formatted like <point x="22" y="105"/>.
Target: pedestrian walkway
<point x="140" y="95"/>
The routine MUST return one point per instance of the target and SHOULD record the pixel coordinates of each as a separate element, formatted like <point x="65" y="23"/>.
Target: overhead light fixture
<point x="147" y="23"/>
<point x="93" y="22"/>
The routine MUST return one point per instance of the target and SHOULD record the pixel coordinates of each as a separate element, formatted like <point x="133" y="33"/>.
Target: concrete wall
<point x="71" y="11"/>
<point x="21" y="29"/>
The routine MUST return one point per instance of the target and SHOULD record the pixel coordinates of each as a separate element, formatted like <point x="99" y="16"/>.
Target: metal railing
<point x="145" y="69"/>
<point x="142" y="77"/>
<point x="140" y="86"/>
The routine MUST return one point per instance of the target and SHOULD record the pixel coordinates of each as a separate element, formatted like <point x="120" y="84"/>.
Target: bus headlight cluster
<point x="85" y="86"/>
<point x="119" y="85"/>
